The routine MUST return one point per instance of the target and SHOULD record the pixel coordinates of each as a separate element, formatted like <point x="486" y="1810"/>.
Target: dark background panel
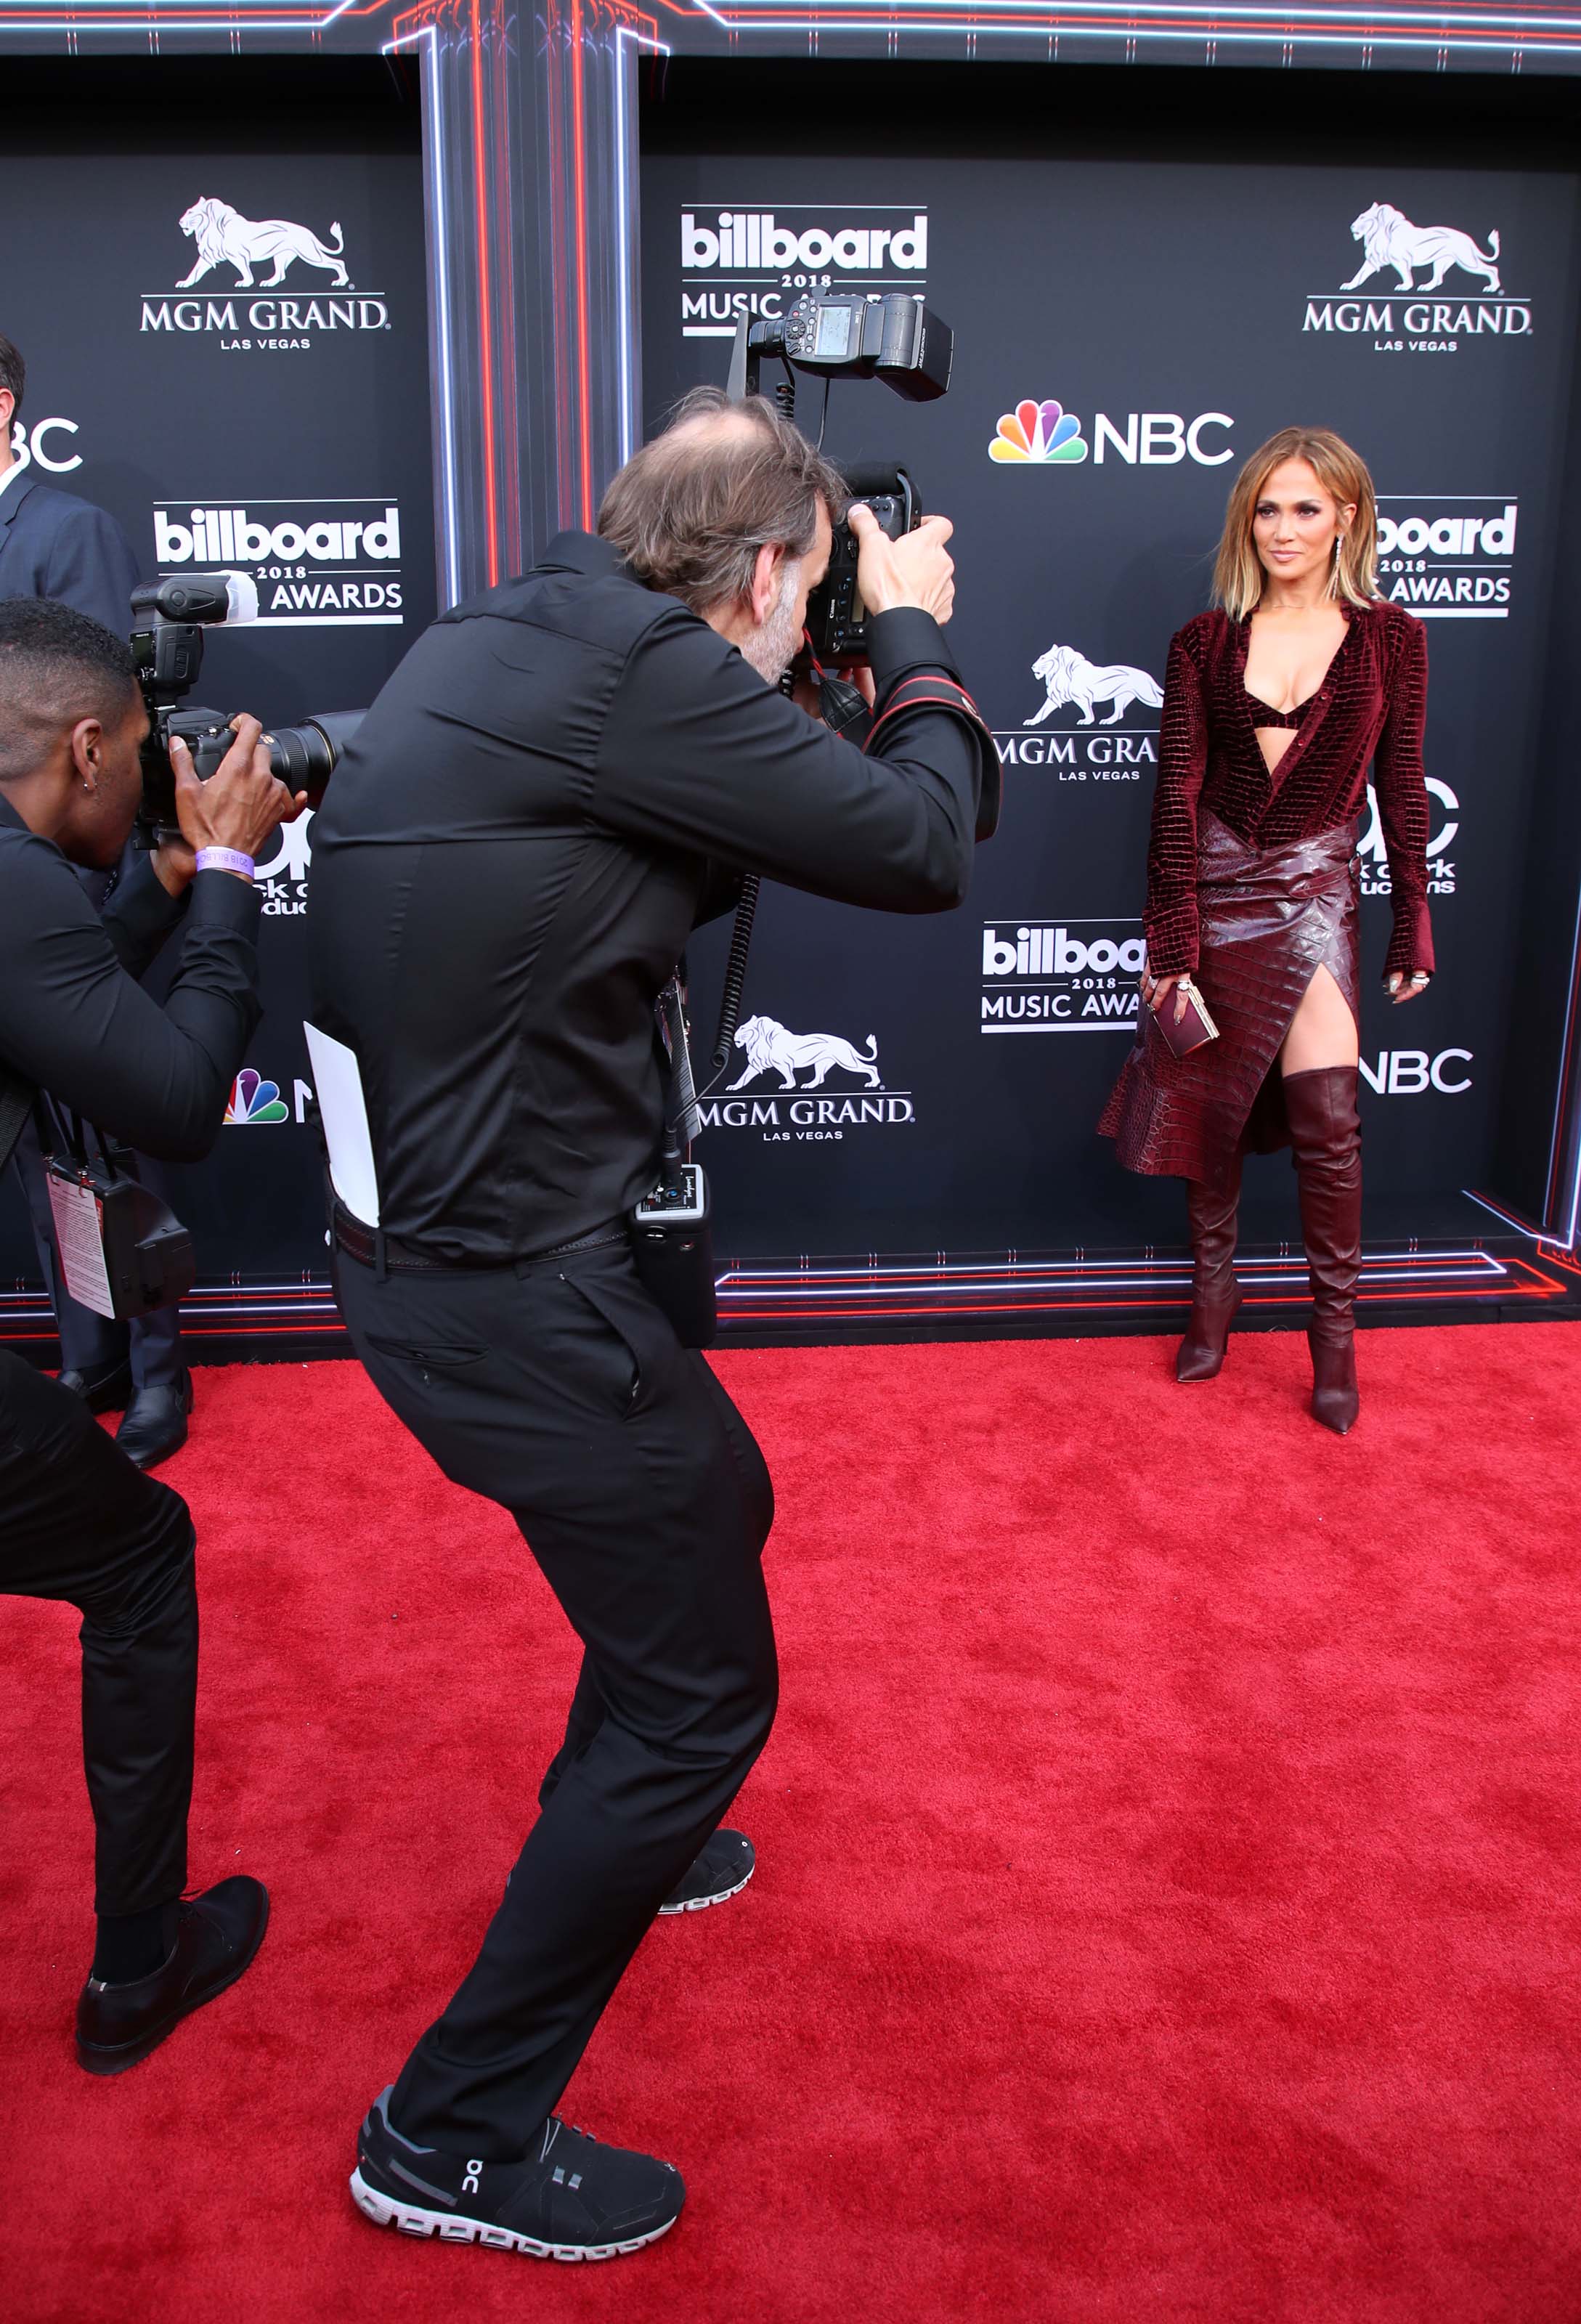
<point x="101" y="161"/>
<point x="1089" y="246"/>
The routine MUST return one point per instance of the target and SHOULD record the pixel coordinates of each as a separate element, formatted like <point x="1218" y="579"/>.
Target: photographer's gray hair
<point x="689" y="513"/>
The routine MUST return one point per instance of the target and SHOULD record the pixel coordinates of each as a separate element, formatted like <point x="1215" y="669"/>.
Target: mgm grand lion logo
<point x="774" y="1049"/>
<point x="1389" y="239"/>
<point x="1069" y="678"/>
<point x="226" y="238"/>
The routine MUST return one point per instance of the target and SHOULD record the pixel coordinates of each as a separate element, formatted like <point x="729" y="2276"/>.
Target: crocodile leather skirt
<point x="1269" y="918"/>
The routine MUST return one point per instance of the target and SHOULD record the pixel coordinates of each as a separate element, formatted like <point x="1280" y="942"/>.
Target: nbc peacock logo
<point x="1040" y="434"/>
<point x="254" y="1099"/>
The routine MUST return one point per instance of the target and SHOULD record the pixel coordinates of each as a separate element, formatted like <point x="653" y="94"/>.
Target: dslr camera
<point x="168" y="621"/>
<point x="842" y="334"/>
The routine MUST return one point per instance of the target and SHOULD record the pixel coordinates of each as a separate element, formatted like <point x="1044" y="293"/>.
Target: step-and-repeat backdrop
<point x="230" y="354"/>
<point x="1125" y="336"/>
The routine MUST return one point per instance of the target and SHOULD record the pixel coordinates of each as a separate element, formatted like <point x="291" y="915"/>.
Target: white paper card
<point x="343" y="1110"/>
<point x="80" y="1238"/>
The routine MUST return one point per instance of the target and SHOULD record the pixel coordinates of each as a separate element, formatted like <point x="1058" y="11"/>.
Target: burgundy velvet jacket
<point x="1371" y="706"/>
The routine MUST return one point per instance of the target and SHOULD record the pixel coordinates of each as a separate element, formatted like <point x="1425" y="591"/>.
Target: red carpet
<point x="1168" y="1893"/>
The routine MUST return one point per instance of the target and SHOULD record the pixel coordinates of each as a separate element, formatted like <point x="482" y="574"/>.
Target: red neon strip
<point x="484" y="300"/>
<point x="1204" y="27"/>
<point x="580" y="173"/>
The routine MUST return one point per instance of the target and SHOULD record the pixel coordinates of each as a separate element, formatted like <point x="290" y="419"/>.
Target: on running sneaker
<point x="723" y="1869"/>
<point x="571" y="2197"/>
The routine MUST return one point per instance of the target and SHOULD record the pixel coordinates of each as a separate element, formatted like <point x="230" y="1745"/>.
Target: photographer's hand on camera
<point x="915" y="570"/>
<point x="239" y="808"/>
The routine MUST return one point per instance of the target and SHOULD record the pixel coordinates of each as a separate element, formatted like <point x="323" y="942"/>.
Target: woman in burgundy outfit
<point x="1274" y="704"/>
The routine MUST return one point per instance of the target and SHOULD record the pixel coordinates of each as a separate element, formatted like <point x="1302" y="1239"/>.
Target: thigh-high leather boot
<point x="1326" y="1133"/>
<point x="1215" y="1293"/>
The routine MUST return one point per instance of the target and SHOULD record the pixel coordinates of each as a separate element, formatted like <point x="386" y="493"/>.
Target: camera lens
<point x="304" y="757"/>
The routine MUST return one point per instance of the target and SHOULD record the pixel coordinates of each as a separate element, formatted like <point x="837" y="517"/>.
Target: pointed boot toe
<point x="1201" y="1354"/>
<point x="1336" y="1398"/>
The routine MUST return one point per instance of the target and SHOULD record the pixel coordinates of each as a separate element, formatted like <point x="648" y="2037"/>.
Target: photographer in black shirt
<point x="78" y="1521"/>
<point x="506" y="870"/>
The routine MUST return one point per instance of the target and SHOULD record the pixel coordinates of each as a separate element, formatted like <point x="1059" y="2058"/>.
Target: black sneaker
<point x="571" y="2198"/>
<point x="722" y="1870"/>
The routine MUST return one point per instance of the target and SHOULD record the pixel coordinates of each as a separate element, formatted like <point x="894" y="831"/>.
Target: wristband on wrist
<point x="225" y="859"/>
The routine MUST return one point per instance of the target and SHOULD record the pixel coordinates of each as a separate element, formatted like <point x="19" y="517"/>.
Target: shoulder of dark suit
<point x="42" y="501"/>
<point x="580" y="588"/>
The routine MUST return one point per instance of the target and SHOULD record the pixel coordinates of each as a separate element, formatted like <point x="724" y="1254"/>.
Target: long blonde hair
<point x="1238" y="576"/>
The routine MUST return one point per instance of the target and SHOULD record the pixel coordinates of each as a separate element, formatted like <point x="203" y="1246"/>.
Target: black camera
<point x="845" y="336"/>
<point x="168" y="621"/>
<point x="837" y="618"/>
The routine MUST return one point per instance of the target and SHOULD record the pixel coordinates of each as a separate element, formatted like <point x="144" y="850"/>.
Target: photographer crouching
<point x="78" y="1521"/>
<point x="561" y="777"/>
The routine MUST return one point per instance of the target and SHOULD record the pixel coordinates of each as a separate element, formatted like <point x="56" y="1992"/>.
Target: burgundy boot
<point x="1326" y="1133"/>
<point x="1215" y="1293"/>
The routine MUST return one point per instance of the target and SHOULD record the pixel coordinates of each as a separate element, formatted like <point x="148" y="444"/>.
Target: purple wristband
<point x="225" y="859"/>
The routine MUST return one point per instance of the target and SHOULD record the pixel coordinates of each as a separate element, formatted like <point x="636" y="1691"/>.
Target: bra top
<point x="1263" y="714"/>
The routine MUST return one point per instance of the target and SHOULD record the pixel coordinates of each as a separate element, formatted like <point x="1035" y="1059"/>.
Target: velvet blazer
<point x="1369" y="709"/>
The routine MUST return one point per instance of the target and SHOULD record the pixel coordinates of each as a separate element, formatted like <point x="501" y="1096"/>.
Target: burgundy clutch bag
<point x="1196" y="1028"/>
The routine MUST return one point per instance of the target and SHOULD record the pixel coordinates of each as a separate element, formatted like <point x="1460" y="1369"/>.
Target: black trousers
<point x="79" y="1522"/>
<point x="89" y="1342"/>
<point x="558" y="1388"/>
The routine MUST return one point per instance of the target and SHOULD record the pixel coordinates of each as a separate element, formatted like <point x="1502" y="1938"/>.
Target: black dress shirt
<point x="513" y="852"/>
<point x="74" y="1022"/>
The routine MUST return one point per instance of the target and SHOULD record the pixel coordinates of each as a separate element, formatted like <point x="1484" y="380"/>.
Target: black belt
<point x="363" y="1243"/>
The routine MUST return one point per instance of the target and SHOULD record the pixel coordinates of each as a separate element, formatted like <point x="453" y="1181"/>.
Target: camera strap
<point x="682" y="1118"/>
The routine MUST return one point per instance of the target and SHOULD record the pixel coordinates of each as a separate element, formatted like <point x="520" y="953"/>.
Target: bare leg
<point x="1323" y="1032"/>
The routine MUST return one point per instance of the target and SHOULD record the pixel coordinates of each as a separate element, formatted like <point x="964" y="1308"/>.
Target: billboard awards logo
<point x="253" y="1100"/>
<point x="735" y="263"/>
<point x="1073" y="684"/>
<point x="1375" y="881"/>
<point x="1449" y="557"/>
<point x="1044" y="435"/>
<point x="1408" y="316"/>
<point x="1061" y="976"/>
<point x="283" y="882"/>
<point x="319" y="563"/>
<point x="261" y="324"/>
<point x="786" y="1111"/>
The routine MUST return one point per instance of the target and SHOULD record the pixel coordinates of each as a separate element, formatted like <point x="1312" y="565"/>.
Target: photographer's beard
<point x="772" y="649"/>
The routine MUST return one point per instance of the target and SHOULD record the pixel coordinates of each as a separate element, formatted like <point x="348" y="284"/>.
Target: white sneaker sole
<point x="701" y="1903"/>
<point x="413" y="2220"/>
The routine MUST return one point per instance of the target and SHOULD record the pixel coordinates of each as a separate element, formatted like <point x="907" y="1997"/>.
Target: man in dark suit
<point x="54" y="545"/>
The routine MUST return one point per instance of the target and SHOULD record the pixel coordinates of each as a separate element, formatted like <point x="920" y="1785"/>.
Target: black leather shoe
<point x="104" y="1388"/>
<point x="216" y="1936"/>
<point x="155" y="1424"/>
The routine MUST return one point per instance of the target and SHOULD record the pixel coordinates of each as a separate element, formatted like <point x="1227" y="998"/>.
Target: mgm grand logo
<point x="1422" y="311"/>
<point x="791" y="1114"/>
<point x="228" y="243"/>
<point x="1079" y="688"/>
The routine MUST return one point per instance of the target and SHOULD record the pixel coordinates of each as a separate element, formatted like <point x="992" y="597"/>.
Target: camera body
<point x="842" y="334"/>
<point x="837" y="618"/>
<point x="168" y="621"/>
